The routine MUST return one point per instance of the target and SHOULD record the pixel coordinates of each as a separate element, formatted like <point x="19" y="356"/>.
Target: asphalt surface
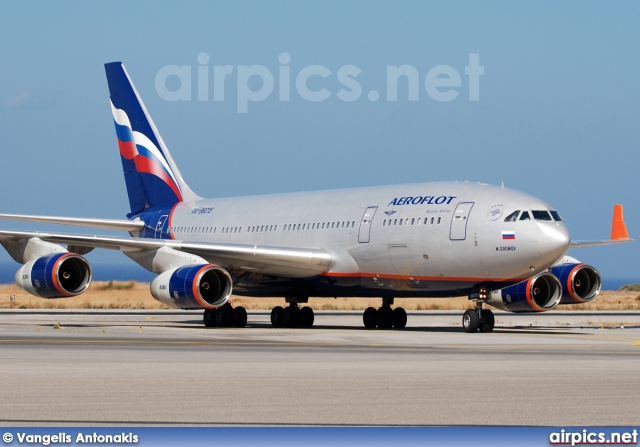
<point x="166" y="368"/>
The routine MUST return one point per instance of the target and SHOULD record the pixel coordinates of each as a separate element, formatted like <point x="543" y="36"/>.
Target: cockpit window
<point x="525" y="216"/>
<point x="541" y="215"/>
<point x="556" y="216"/>
<point x="512" y="217"/>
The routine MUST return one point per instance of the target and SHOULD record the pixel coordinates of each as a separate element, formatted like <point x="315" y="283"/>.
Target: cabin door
<point x="365" y="224"/>
<point x="160" y="226"/>
<point x="459" y="221"/>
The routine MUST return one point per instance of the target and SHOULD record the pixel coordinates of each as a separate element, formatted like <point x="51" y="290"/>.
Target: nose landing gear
<point x="478" y="318"/>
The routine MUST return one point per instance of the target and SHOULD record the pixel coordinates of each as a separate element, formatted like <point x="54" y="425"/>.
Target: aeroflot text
<point x="255" y="83"/>
<point x="421" y="200"/>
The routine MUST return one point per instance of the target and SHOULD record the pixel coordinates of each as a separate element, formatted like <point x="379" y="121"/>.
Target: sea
<point x="129" y="271"/>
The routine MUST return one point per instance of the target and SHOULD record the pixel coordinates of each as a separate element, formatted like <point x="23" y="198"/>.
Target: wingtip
<point x="618" y="228"/>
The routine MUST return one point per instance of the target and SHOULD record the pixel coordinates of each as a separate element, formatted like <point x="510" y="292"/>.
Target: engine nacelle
<point x="60" y="275"/>
<point x="537" y="294"/>
<point x="581" y="282"/>
<point x="193" y="287"/>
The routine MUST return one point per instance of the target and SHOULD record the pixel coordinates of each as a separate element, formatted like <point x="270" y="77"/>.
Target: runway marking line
<point x="592" y="336"/>
<point x="541" y="348"/>
<point x="150" y="342"/>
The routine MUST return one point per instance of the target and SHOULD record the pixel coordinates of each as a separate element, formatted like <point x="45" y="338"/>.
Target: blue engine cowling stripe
<point x="183" y="286"/>
<point x="44" y="278"/>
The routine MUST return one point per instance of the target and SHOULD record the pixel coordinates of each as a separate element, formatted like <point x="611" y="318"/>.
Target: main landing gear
<point x="478" y="318"/>
<point x="225" y="316"/>
<point x="292" y="316"/>
<point x="385" y="317"/>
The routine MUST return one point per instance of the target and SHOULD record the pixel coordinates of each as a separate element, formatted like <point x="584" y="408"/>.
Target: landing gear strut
<point x="478" y="318"/>
<point x="385" y="317"/>
<point x="225" y="316"/>
<point x="292" y="316"/>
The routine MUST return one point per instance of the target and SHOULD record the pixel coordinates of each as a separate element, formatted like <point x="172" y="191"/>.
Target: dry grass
<point x="133" y="295"/>
<point x="609" y="300"/>
<point x="101" y="295"/>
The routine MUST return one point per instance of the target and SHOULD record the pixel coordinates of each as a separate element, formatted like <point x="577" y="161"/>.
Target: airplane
<point x="497" y="246"/>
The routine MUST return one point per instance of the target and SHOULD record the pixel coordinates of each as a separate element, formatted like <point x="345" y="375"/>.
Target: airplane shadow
<point x="434" y="329"/>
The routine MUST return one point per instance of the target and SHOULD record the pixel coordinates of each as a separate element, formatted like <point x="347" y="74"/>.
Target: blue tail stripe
<point x="123" y="132"/>
<point x="149" y="179"/>
<point x="123" y="97"/>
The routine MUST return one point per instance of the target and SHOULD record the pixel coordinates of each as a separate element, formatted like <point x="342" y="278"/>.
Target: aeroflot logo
<point x="422" y="200"/>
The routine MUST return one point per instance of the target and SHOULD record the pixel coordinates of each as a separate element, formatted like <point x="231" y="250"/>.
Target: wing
<point x="107" y="224"/>
<point x="278" y="261"/>
<point x="619" y="233"/>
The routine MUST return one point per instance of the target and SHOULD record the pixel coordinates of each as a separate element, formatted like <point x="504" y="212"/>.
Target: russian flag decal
<point x="506" y="235"/>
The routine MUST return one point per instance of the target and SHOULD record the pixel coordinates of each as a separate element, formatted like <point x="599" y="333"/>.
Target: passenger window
<point x="512" y="217"/>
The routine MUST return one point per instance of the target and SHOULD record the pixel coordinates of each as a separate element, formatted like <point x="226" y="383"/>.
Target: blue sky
<point x="557" y="115"/>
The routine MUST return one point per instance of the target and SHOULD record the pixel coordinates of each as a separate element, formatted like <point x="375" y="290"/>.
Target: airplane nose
<point x="554" y="241"/>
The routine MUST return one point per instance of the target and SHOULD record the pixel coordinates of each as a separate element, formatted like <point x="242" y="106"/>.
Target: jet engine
<point x="581" y="282"/>
<point x="193" y="287"/>
<point x="537" y="294"/>
<point x="60" y="275"/>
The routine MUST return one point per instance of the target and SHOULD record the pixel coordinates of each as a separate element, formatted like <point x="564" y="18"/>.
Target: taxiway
<point x="164" y="367"/>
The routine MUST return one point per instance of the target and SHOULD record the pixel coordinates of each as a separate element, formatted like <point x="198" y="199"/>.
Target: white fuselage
<point x="429" y="239"/>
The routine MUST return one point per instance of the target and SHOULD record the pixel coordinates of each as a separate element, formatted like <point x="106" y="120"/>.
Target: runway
<point x="166" y="368"/>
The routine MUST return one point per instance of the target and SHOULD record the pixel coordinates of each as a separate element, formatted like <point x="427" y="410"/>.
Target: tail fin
<point x="151" y="175"/>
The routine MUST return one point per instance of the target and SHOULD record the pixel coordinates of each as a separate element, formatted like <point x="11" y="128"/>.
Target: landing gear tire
<point x="306" y="317"/>
<point x="385" y="317"/>
<point x="470" y="320"/>
<point x="399" y="318"/>
<point x="209" y="318"/>
<point x="291" y="316"/>
<point x="240" y="316"/>
<point x="370" y="317"/>
<point x="488" y="321"/>
<point x="277" y="316"/>
<point x="224" y="316"/>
